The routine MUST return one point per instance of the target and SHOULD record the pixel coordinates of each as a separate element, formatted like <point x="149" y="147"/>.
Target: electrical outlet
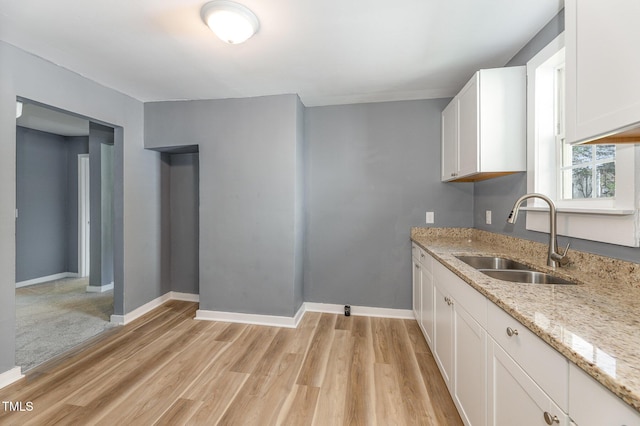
<point x="430" y="217"/>
<point x="487" y="217"/>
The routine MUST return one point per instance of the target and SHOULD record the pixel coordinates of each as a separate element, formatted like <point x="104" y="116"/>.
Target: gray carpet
<point x="53" y="317"/>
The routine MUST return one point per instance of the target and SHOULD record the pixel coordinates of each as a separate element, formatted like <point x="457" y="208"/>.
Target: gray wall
<point x="137" y="171"/>
<point x="184" y="221"/>
<point x="101" y="139"/>
<point x="373" y="171"/>
<point x="47" y="201"/>
<point x="248" y="155"/>
<point x="499" y="194"/>
<point x="41" y="199"/>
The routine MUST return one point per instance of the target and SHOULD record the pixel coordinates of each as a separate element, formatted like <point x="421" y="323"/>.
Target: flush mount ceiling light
<point x="233" y="23"/>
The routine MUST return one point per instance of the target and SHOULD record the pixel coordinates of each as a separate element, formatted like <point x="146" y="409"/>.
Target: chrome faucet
<point x="554" y="258"/>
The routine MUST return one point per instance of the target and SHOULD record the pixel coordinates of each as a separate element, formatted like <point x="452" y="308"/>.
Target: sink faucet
<point x="554" y="258"/>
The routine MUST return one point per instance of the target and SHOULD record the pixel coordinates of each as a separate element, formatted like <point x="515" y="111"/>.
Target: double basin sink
<point x="510" y="270"/>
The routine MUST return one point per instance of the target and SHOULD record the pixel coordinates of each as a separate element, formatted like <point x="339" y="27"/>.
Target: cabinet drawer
<point x="452" y="285"/>
<point x="547" y="367"/>
<point x="425" y="260"/>
<point x="590" y="403"/>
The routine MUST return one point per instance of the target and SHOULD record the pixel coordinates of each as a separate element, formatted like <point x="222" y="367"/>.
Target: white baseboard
<point x="258" y="319"/>
<point x="365" y="311"/>
<point x="40" y="280"/>
<point x="292" y="322"/>
<point x="10" y="376"/>
<point x="148" y="307"/>
<point x="99" y="288"/>
<point x="237" y="317"/>
<point x="185" y="297"/>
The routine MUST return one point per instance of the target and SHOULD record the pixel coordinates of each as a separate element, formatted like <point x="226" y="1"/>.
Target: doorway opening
<point x="64" y="232"/>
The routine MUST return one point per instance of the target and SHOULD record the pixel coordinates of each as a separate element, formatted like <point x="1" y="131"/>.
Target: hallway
<point x="53" y="317"/>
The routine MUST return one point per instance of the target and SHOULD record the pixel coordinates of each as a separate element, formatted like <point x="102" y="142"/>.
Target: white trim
<point x="149" y="306"/>
<point x="613" y="229"/>
<point x="40" y="280"/>
<point x="141" y="310"/>
<point x="258" y="319"/>
<point x="237" y="317"/>
<point x="365" y="311"/>
<point x="185" y="297"/>
<point x="99" y="288"/>
<point x="567" y="210"/>
<point x="10" y="376"/>
<point x="83" y="215"/>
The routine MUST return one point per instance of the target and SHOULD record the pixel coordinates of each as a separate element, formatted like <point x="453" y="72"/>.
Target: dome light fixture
<point x="233" y="23"/>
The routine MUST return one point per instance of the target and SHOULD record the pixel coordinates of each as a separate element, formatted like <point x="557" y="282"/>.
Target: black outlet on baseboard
<point x="347" y="310"/>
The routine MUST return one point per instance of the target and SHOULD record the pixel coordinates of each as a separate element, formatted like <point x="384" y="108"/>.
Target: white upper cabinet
<point x="602" y="68"/>
<point x="450" y="141"/>
<point x="484" y="127"/>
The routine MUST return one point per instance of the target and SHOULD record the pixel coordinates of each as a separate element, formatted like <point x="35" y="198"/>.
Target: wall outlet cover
<point x="430" y="217"/>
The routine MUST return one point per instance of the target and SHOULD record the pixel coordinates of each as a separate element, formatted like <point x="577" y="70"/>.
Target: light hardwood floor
<point x="168" y="369"/>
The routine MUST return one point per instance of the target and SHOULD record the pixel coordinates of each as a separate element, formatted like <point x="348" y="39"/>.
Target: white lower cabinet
<point x="470" y="360"/>
<point x="460" y="345"/>
<point x="591" y="404"/>
<point x="514" y="398"/>
<point x="498" y="372"/>
<point x="443" y="334"/>
<point x="417" y="289"/>
<point x="426" y="306"/>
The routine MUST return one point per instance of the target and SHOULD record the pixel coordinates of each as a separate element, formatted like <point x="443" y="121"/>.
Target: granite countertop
<point x="595" y="324"/>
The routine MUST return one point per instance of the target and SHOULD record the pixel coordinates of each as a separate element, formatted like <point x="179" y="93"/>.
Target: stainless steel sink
<point x="520" y="276"/>
<point x="489" y="262"/>
<point x="510" y="270"/>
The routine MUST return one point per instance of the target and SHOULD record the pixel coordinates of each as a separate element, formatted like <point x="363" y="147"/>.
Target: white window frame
<point x="612" y="220"/>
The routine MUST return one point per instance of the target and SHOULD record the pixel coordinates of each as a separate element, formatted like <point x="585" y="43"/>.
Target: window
<point x="593" y="186"/>
<point x="588" y="171"/>
<point x="585" y="171"/>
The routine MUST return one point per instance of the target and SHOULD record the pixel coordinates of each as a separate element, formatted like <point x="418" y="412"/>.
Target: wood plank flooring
<point x="168" y="369"/>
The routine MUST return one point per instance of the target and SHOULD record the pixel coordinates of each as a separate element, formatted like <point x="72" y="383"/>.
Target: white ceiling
<point x="327" y="51"/>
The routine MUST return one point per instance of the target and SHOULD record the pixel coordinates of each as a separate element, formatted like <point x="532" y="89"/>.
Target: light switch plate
<point x="487" y="217"/>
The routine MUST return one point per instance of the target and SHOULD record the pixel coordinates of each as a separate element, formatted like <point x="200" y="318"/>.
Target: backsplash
<point x="583" y="266"/>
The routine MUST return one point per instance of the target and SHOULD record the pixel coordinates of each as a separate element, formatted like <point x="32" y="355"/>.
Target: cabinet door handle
<point x="549" y="419"/>
<point x="512" y="332"/>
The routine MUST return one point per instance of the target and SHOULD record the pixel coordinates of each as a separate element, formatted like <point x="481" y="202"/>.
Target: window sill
<point x="574" y="210"/>
<point x="620" y="227"/>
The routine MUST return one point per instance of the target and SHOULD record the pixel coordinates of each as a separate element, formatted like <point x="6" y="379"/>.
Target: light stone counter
<point x="595" y="324"/>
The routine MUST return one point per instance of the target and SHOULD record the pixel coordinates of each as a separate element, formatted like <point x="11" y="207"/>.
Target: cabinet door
<point x="450" y="141"/>
<point x="428" y="310"/>
<point x="417" y="289"/>
<point x="514" y="398"/>
<point x="602" y="67"/>
<point x="468" y="154"/>
<point x="593" y="405"/>
<point x="443" y="334"/>
<point x="470" y="367"/>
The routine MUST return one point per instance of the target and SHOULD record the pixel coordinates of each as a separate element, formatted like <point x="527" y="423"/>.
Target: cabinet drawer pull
<point x="512" y="332"/>
<point x="549" y="419"/>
